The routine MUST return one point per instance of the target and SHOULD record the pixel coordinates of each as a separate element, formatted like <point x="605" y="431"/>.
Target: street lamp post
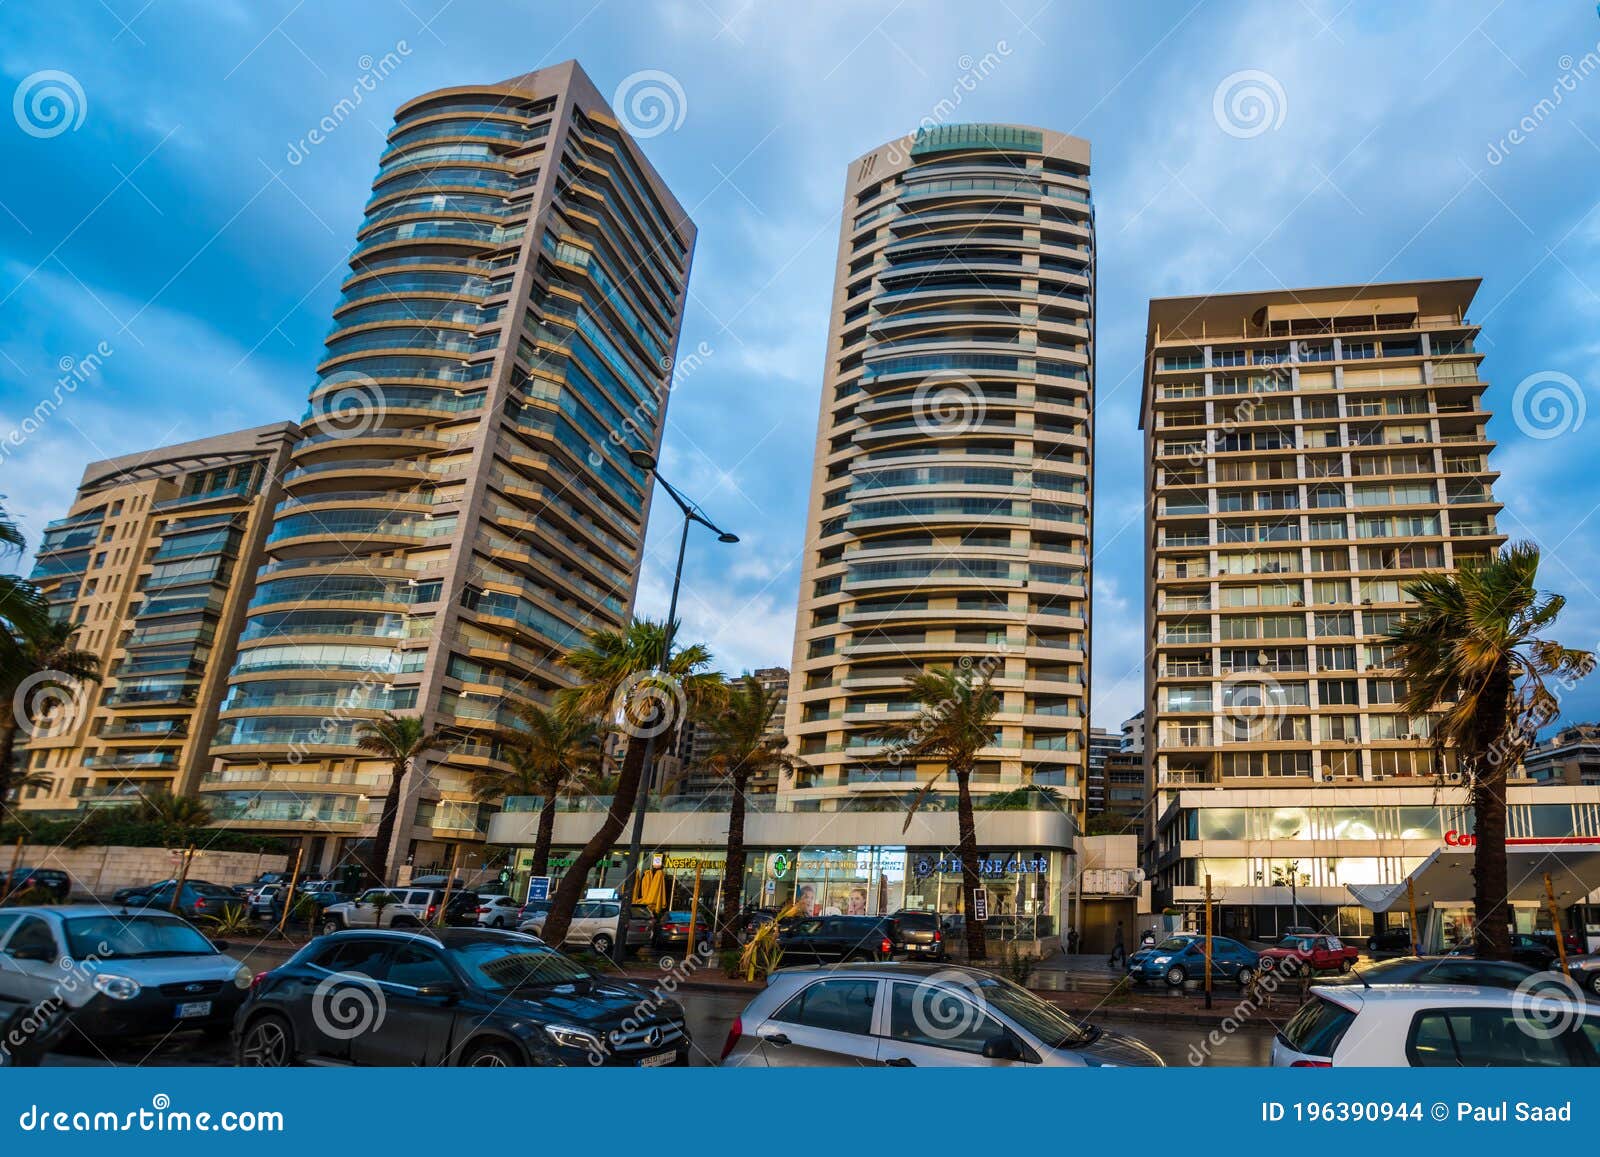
<point x="691" y="514"/>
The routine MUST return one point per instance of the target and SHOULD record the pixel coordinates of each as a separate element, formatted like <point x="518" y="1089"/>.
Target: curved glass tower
<point x="949" y="518"/>
<point x="461" y="507"/>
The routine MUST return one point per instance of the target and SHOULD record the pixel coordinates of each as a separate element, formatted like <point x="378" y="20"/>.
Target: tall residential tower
<point x="462" y="507"/>
<point x="949" y="515"/>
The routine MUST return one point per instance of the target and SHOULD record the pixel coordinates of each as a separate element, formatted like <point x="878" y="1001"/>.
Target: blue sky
<point x="166" y="222"/>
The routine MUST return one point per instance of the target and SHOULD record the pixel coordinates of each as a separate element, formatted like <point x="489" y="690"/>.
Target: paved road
<point x="710" y="1016"/>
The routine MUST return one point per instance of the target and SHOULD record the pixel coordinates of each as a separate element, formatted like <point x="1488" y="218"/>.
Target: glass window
<point x="364" y="955"/>
<point x="119" y="938"/>
<point x="415" y="966"/>
<point x="836" y="1005"/>
<point x="1477" y="1037"/>
<point x="32" y="935"/>
<point x="1318" y="1027"/>
<point x="1222" y="823"/>
<point x="939" y="1016"/>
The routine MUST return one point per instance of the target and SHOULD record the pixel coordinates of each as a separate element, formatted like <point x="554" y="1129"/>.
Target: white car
<point x="594" y="925"/>
<point x="1545" y="1022"/>
<point x="498" y="911"/>
<point x="119" y="972"/>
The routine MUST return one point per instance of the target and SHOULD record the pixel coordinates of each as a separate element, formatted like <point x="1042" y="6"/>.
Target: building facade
<point x="155" y="561"/>
<point x="462" y="507"/>
<point x="1570" y="756"/>
<point x="690" y="760"/>
<point x="1308" y="451"/>
<point x="1133" y="733"/>
<point x="1102" y="745"/>
<point x="949" y="517"/>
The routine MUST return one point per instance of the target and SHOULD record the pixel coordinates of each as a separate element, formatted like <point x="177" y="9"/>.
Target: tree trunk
<point x="546" y="833"/>
<point x="733" y="873"/>
<point x="1491" y="933"/>
<point x="559" y="918"/>
<point x="977" y="948"/>
<point x="379" y="859"/>
<point x="8" y="752"/>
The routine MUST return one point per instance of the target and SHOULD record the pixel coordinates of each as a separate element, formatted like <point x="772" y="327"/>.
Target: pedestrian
<point x="1072" y="940"/>
<point x="1119" y="949"/>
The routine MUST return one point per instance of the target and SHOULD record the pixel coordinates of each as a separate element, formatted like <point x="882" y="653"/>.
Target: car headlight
<point x="1160" y="959"/>
<point x="243" y="978"/>
<point x="573" y="1038"/>
<point x="116" y="987"/>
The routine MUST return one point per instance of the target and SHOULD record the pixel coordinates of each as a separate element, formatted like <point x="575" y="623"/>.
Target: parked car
<point x="51" y="884"/>
<point x="1524" y="950"/>
<point x="1547" y="937"/>
<point x="1585" y="970"/>
<point x="498" y="911"/>
<point x="454" y="997"/>
<point x="406" y="908"/>
<point x="1391" y="940"/>
<point x="846" y="938"/>
<point x="119" y="973"/>
<point x="268" y="898"/>
<point x="1431" y="1026"/>
<point x="594" y="925"/>
<point x="906" y="1015"/>
<point x="1181" y="958"/>
<point x="670" y="932"/>
<point x="197" y="900"/>
<point x="1314" y="953"/>
<point x="921" y="934"/>
<point x="1440" y="970"/>
<point x="28" y="1032"/>
<point x="532" y="909"/>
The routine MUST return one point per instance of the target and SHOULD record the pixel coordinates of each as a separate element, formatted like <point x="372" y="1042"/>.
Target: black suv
<point x="921" y="933"/>
<point x="40" y="882"/>
<point x="826" y="938"/>
<point x="453" y="997"/>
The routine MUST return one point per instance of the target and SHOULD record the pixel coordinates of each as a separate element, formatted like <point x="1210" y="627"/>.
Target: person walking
<point x="1119" y="949"/>
<point x="1072" y="940"/>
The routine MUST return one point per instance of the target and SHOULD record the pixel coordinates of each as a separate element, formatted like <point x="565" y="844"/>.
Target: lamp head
<point x="726" y="537"/>
<point x="643" y="459"/>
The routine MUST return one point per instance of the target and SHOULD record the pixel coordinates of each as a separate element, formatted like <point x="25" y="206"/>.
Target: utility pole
<point x="1555" y="921"/>
<point x="1411" y="899"/>
<point x="1208" y="939"/>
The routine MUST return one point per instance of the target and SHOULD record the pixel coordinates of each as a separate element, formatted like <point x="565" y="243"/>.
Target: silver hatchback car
<point x="906" y="1015"/>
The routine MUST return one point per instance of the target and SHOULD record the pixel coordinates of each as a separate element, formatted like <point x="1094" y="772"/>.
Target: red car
<point x="1317" y="953"/>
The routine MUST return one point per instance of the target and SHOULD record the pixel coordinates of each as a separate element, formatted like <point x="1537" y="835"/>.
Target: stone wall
<point x="101" y="871"/>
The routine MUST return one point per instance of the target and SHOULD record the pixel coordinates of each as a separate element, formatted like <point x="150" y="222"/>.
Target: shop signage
<point x="980" y="904"/>
<point x="688" y="863"/>
<point x="1455" y="839"/>
<point x="1016" y="865"/>
<point x="778" y="864"/>
<point x="538" y="887"/>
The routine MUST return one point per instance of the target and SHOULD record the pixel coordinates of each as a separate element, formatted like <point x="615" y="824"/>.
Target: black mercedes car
<point x="451" y="996"/>
<point x="1439" y="970"/>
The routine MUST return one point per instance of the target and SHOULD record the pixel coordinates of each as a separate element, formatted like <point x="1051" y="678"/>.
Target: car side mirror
<point x="1002" y="1048"/>
<point x="442" y="991"/>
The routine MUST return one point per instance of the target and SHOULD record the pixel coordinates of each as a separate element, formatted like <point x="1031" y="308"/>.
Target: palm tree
<point x="42" y="652"/>
<point x="743" y="745"/>
<point x="1473" y="647"/>
<point x="621" y="674"/>
<point x="400" y="739"/>
<point x="178" y="811"/>
<point x="955" y="719"/>
<point x="559" y="752"/>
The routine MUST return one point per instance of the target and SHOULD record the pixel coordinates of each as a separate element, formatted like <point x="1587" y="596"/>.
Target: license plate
<point x="658" y="1060"/>
<point x="194" y="1008"/>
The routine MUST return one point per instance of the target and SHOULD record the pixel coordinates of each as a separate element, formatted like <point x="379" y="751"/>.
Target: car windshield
<point x="1174" y="944"/>
<point x="1303" y="943"/>
<point x="134" y="938"/>
<point x="1052" y="1026"/>
<point x="502" y="967"/>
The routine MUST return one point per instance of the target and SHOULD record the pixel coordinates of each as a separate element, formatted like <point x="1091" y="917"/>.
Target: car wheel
<point x="1347" y="965"/>
<point x="1246" y="975"/>
<point x="268" y="1043"/>
<point x="331" y="925"/>
<point x="1594" y="984"/>
<point x="1176" y="976"/>
<point x="490" y="1056"/>
<point x="601" y="944"/>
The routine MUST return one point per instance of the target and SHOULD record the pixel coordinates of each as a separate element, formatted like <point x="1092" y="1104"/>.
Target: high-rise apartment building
<point x="1308" y="452"/>
<point x="690" y="762"/>
<point x="462" y="507"/>
<point x="155" y="562"/>
<point x="949" y="515"/>
<point x="1102" y="745"/>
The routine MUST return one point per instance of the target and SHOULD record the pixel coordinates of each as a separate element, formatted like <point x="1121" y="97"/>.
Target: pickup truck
<point x="1312" y="953"/>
